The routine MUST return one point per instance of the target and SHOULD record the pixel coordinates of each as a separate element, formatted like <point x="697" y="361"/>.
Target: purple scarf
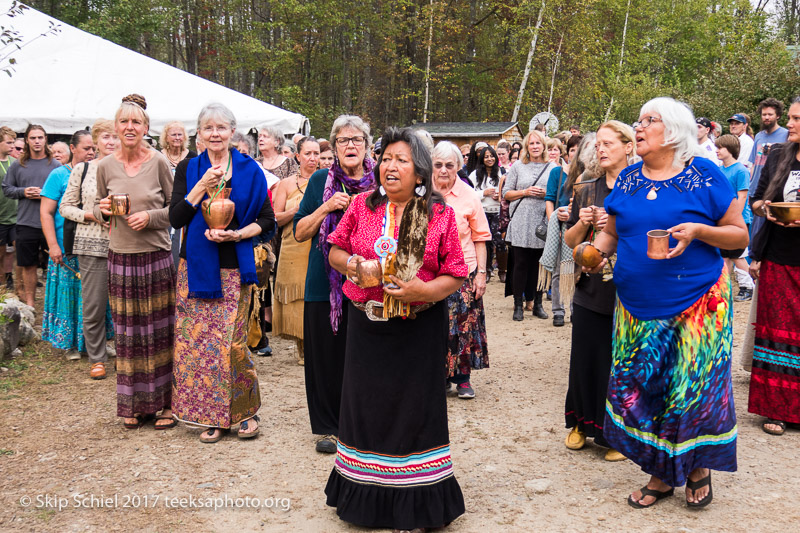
<point x="338" y="181"/>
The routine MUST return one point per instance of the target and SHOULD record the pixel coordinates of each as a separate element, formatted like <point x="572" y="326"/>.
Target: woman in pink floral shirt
<point x="393" y="467"/>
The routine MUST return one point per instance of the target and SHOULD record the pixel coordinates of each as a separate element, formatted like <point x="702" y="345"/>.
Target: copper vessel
<point x="597" y="214"/>
<point x="657" y="244"/>
<point x="219" y="211"/>
<point x="369" y="273"/>
<point x="786" y="212"/>
<point x="120" y="204"/>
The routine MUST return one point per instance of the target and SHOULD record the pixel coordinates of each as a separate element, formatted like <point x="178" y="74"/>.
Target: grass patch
<point x="4" y="451"/>
<point x="45" y="514"/>
<point x="36" y="366"/>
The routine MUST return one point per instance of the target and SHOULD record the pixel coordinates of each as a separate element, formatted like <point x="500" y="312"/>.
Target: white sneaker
<point x="110" y="350"/>
<point x="73" y="355"/>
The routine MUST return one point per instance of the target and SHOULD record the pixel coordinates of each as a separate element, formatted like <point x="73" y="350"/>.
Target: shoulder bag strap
<point x="80" y="189"/>
<point x="511" y="215"/>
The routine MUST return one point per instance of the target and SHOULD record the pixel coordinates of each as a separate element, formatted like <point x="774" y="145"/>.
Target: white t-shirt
<point x="490" y="205"/>
<point x="745" y="148"/>
<point x="709" y="151"/>
<point x="791" y="191"/>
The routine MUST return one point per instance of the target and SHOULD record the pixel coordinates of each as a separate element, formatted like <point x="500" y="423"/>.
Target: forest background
<point x="592" y="59"/>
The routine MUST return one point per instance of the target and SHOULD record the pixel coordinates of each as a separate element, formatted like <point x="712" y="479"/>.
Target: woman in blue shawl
<point x="215" y="384"/>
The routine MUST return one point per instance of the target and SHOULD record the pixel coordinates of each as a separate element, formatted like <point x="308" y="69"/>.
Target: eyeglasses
<point x="449" y="166"/>
<point x="357" y="140"/>
<point x="645" y="122"/>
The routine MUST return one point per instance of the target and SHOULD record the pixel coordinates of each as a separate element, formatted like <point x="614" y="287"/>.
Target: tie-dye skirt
<point x="670" y="398"/>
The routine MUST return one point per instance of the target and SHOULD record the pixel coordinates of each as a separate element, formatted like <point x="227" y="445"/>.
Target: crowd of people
<point x="374" y="259"/>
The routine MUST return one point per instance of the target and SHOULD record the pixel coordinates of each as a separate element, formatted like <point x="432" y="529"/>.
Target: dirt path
<point x="60" y="438"/>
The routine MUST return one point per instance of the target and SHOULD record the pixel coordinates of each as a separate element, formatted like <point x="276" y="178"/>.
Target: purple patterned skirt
<point x="141" y="290"/>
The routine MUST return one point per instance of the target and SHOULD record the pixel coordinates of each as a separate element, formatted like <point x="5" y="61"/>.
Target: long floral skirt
<point x="141" y="290"/>
<point x="62" y="319"/>
<point x="467" y="347"/>
<point x="215" y="382"/>
<point x="670" y="398"/>
<point x="775" y="379"/>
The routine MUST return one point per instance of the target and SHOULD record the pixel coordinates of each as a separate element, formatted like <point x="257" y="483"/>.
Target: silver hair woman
<point x="652" y="390"/>
<point x="216" y="274"/>
<point x="270" y="142"/>
<point x="324" y="315"/>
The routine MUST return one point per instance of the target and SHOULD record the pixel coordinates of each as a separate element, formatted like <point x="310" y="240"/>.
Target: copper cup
<point x="369" y="273"/>
<point x="597" y="214"/>
<point x="657" y="244"/>
<point x="120" y="204"/>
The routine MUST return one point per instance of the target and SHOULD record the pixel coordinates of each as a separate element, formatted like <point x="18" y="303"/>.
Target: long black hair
<point x="480" y="169"/>
<point x="786" y="154"/>
<point x="423" y="167"/>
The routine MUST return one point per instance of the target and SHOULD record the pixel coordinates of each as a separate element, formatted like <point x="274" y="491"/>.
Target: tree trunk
<point x="527" y="72"/>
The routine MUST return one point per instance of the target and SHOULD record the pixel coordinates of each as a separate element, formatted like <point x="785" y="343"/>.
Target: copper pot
<point x="657" y="244"/>
<point x="786" y="212"/>
<point x="369" y="273"/>
<point x="120" y="204"/>
<point x="219" y="212"/>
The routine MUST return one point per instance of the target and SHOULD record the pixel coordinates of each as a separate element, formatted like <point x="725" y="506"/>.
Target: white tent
<point x="67" y="80"/>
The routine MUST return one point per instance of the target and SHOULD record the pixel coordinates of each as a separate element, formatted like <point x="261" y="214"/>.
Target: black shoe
<point x="538" y="311"/>
<point x="326" y="444"/>
<point x="744" y="295"/>
<point x="519" y="314"/>
<point x="558" y="320"/>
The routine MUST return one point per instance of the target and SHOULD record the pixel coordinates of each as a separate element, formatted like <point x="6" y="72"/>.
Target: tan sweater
<point x="150" y="190"/>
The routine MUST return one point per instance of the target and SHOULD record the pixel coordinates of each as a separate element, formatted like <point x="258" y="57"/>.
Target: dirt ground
<point x="67" y="463"/>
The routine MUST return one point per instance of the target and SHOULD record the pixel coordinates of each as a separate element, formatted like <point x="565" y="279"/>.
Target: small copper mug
<point x="657" y="244"/>
<point x="597" y="214"/>
<point x="120" y="204"/>
<point x="369" y="273"/>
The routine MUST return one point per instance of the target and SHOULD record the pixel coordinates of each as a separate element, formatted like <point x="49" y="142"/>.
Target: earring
<point x="420" y="190"/>
<point x="382" y="190"/>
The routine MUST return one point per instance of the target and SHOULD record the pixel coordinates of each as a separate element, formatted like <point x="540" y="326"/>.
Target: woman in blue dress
<point x="670" y="401"/>
<point x="62" y="320"/>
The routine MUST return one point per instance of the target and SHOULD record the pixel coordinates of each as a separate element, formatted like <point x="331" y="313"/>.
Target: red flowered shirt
<point x="360" y="227"/>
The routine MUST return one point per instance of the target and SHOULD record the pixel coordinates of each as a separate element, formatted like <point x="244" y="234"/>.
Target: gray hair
<point x="275" y="133"/>
<point x="426" y="137"/>
<point x="446" y="150"/>
<point x="216" y="111"/>
<point x="290" y="145"/>
<point x="352" y="121"/>
<point x="239" y="137"/>
<point x="680" y="129"/>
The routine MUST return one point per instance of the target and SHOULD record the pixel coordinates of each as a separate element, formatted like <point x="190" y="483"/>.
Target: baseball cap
<point x="703" y="121"/>
<point x="738" y="117"/>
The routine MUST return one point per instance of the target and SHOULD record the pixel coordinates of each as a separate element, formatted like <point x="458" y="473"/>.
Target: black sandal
<point x="243" y="426"/>
<point x="658" y="495"/>
<point x="209" y="436"/>
<point x="699" y="484"/>
<point x="772" y="422"/>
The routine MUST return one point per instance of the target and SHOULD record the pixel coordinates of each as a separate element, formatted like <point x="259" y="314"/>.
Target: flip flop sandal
<point x="243" y="426"/>
<point x="658" y="495"/>
<point x="136" y="425"/>
<point x="172" y="423"/>
<point x="699" y="484"/>
<point x="772" y="422"/>
<point x="212" y="435"/>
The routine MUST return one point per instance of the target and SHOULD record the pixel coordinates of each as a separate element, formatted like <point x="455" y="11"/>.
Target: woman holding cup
<point x="135" y="185"/>
<point x="670" y="399"/>
<point x="595" y="296"/>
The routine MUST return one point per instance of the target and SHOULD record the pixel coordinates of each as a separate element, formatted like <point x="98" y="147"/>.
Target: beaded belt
<point x="371" y="306"/>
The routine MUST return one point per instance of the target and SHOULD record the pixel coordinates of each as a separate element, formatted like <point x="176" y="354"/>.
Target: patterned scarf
<point x="339" y="181"/>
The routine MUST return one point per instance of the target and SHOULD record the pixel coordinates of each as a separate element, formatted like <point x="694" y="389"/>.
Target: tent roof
<point x="66" y="81"/>
<point x="464" y="129"/>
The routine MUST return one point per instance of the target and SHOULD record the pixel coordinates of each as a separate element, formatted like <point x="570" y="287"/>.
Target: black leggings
<point x="526" y="273"/>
